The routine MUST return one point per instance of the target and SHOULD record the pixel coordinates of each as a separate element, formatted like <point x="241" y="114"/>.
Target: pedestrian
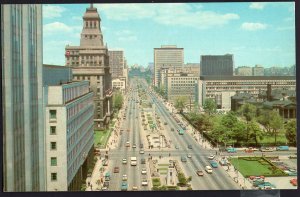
<point x="216" y="152"/>
<point x="91" y="187"/>
<point x="89" y="183"/>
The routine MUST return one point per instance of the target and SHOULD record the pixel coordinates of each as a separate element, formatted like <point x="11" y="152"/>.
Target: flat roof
<point x="227" y="77"/>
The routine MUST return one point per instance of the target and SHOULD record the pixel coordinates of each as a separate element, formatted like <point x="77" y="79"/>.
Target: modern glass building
<point x="217" y="65"/>
<point x="23" y="130"/>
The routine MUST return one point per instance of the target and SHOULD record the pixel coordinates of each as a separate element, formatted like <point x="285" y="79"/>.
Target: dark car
<point x="190" y="146"/>
<point x="141" y="146"/>
<point x="143" y="161"/>
<point x="116" y="170"/>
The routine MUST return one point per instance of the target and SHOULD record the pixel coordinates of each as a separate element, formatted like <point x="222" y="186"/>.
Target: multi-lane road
<point x="132" y="128"/>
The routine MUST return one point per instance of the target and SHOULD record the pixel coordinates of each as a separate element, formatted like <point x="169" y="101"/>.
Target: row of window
<point x="259" y="82"/>
<point x="75" y="109"/>
<point x="74" y="92"/>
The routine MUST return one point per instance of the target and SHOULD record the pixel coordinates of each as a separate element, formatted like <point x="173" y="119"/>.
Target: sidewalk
<point x="93" y="182"/>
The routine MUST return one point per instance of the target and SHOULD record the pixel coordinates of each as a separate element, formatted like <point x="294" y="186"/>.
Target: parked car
<point x="256" y="183"/>
<point x="213" y="164"/>
<point x="266" y="185"/>
<point x="266" y="149"/>
<point x="282" y="148"/>
<point x="199" y="173"/>
<point x="231" y="150"/>
<point x="294" y="182"/>
<point x="116" y="170"/>
<point x="223" y="162"/>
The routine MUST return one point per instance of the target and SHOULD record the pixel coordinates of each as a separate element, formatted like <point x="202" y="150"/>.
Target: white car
<point x="124" y="177"/>
<point x="144" y="171"/>
<point x="211" y="157"/>
<point x="208" y="169"/>
<point x="144" y="182"/>
<point x="142" y="152"/>
<point x="189" y="156"/>
<point x="124" y="161"/>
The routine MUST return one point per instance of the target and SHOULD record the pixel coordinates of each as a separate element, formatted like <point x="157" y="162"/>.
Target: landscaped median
<point x="256" y="166"/>
<point x="101" y="137"/>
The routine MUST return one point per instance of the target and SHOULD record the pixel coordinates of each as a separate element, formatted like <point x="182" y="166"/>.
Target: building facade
<point x="166" y="56"/>
<point x="116" y="63"/>
<point x="69" y="130"/>
<point x="119" y="84"/>
<point x="244" y="71"/>
<point x="23" y="126"/>
<point x="258" y="70"/>
<point x="216" y="86"/>
<point x="90" y="61"/>
<point x="217" y="65"/>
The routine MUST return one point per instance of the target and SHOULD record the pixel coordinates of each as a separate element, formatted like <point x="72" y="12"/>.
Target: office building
<point x="166" y="56"/>
<point x="258" y="70"/>
<point x="217" y="65"/>
<point x="119" y="84"/>
<point x="69" y="130"/>
<point x="90" y="61"/>
<point x="116" y="63"/>
<point x="23" y="126"/>
<point x="220" y="88"/>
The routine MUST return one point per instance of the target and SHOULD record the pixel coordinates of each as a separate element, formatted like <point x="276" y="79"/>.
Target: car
<point x="231" y="150"/>
<point x="223" y="162"/>
<point x="134" y="188"/>
<point x="141" y="145"/>
<point x="176" y="146"/>
<point x="143" y="161"/>
<point x="124" y="161"/>
<point x="266" y="149"/>
<point x="266" y="185"/>
<point x="208" y="169"/>
<point x="127" y="144"/>
<point x="116" y="170"/>
<point x="213" y="164"/>
<point x="124" y="177"/>
<point x="199" y="173"/>
<point x="124" y="186"/>
<point x="142" y="151"/>
<point x="211" y="157"/>
<point x="256" y="183"/>
<point x="294" y="182"/>
<point x="144" y="171"/>
<point x="183" y="159"/>
<point x="144" y="182"/>
<point x="134" y="146"/>
<point x="189" y="156"/>
<point x="165" y="123"/>
<point x="172" y="129"/>
<point x="190" y="146"/>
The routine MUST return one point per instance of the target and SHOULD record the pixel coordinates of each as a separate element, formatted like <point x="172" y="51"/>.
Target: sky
<point x="255" y="33"/>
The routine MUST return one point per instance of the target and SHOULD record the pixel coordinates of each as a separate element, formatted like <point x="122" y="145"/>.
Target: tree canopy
<point x="210" y="106"/>
<point x="290" y="132"/>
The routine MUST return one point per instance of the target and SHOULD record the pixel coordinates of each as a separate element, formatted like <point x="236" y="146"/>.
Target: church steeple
<point x="91" y="34"/>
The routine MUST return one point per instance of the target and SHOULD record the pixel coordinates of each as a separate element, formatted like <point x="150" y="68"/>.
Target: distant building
<point x="54" y="74"/>
<point x="116" y="63"/>
<point x="192" y="67"/>
<point x="166" y="56"/>
<point x="90" y="61"/>
<point x="244" y="71"/>
<point x="214" y="86"/>
<point x="69" y="134"/>
<point x="258" y="70"/>
<point x="22" y="94"/>
<point x="119" y="84"/>
<point x="217" y="65"/>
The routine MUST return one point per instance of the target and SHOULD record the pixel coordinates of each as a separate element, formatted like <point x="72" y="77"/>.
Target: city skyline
<point x="255" y="33"/>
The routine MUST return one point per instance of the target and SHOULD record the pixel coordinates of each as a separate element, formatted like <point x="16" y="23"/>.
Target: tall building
<point x="90" y="61"/>
<point x="23" y="122"/>
<point x="116" y="63"/>
<point x="166" y="56"/>
<point x="217" y="65"/>
<point x="258" y="70"/>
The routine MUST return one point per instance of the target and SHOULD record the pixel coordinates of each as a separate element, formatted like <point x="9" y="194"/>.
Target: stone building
<point x="90" y="61"/>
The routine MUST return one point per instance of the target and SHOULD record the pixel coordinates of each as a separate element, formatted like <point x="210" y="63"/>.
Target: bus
<point x="180" y="131"/>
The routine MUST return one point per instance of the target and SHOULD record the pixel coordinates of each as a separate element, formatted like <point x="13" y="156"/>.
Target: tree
<point x="249" y="112"/>
<point x="210" y="106"/>
<point x="255" y="132"/>
<point x="276" y="123"/>
<point x="180" y="103"/>
<point x="117" y="100"/>
<point x="290" y="132"/>
<point x="264" y="119"/>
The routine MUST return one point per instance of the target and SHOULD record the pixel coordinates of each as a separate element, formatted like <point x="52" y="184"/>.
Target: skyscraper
<point x="166" y="56"/>
<point x="23" y="136"/>
<point x="90" y="61"/>
<point x="216" y="65"/>
<point x="116" y="63"/>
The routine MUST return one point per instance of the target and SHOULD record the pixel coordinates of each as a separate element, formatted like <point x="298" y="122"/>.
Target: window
<point x="52" y="130"/>
<point x="52" y="114"/>
<point x="53" y="146"/>
<point x="53" y="161"/>
<point x="53" y="176"/>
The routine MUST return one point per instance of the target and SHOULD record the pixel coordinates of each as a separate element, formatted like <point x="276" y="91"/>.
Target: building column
<point x="108" y="107"/>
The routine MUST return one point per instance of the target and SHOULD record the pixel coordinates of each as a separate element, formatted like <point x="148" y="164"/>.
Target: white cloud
<point x="60" y="28"/>
<point x="167" y="14"/>
<point x="257" y="6"/>
<point x="52" y="11"/>
<point x="253" y="26"/>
